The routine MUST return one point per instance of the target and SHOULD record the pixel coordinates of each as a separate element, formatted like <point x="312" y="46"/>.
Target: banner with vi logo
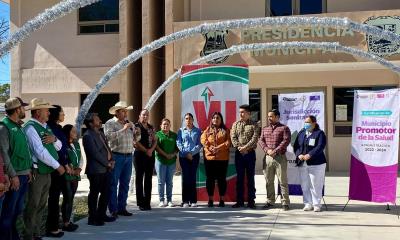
<point x="206" y="89"/>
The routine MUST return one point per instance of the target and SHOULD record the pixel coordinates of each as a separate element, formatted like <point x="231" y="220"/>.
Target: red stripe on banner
<point x="230" y="113"/>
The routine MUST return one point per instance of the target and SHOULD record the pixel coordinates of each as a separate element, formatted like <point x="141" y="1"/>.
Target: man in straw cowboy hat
<point x="44" y="146"/>
<point x="14" y="150"/>
<point x="120" y="133"/>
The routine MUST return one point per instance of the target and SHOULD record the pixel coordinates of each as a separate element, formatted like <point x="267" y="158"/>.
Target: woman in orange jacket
<point x="216" y="142"/>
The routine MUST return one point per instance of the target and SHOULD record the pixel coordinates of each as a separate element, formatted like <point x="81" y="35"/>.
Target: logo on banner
<point x="207" y="94"/>
<point x="215" y="41"/>
<point x="383" y="47"/>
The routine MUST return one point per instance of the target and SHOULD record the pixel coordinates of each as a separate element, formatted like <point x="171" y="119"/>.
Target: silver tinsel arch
<point x="331" y="46"/>
<point x="223" y="25"/>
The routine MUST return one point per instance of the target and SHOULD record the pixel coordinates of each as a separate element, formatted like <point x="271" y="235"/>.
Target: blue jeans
<point x="165" y="175"/>
<point x="245" y="165"/>
<point x="13" y="205"/>
<point x="120" y="174"/>
<point x="189" y="173"/>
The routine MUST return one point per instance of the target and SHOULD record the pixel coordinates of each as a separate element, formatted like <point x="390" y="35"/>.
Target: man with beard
<point x="14" y="150"/>
<point x="274" y="140"/>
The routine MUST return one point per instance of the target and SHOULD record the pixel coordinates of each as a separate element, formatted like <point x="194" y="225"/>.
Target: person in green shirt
<point x="166" y="151"/>
<point x="71" y="180"/>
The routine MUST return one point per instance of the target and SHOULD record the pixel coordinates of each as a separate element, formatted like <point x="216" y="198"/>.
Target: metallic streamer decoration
<point x="331" y="46"/>
<point x="47" y="16"/>
<point x="223" y="25"/>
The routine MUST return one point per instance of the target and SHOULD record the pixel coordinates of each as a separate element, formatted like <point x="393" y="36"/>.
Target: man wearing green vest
<point x="18" y="163"/>
<point x="44" y="146"/>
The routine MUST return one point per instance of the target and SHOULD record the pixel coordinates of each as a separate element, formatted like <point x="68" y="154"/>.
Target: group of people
<point x="41" y="159"/>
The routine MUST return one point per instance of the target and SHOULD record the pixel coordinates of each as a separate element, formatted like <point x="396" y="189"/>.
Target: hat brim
<point x="42" y="107"/>
<point x="113" y="109"/>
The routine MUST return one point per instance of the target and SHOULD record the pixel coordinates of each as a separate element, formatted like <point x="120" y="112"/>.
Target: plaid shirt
<point x="120" y="141"/>
<point x="245" y="134"/>
<point x="275" y="137"/>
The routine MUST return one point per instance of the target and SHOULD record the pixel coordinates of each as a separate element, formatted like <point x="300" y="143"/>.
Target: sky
<point x="5" y="61"/>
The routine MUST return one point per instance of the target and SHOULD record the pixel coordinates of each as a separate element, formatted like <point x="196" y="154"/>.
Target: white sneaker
<point x="317" y="209"/>
<point x="185" y="205"/>
<point x="193" y="205"/>
<point x="161" y="204"/>
<point x="170" y="204"/>
<point x="307" y="207"/>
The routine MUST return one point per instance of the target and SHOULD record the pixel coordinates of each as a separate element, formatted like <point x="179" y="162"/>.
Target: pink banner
<point x="374" y="151"/>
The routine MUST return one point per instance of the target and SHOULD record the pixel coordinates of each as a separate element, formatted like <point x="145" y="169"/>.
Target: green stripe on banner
<point x="211" y="74"/>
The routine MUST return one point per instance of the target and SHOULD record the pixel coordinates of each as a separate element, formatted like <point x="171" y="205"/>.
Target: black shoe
<point x="95" y="223"/>
<point x="237" y="205"/>
<point x="71" y="227"/>
<point x="37" y="238"/>
<point x="221" y="203"/>
<point x="285" y="207"/>
<point x="141" y="208"/>
<point x="251" y="205"/>
<point x="109" y="219"/>
<point x="125" y="213"/>
<point x="147" y="208"/>
<point x="267" y="206"/>
<point x="210" y="203"/>
<point x="55" y="235"/>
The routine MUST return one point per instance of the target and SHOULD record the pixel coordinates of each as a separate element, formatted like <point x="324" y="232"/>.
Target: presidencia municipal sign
<point x="207" y="89"/>
<point x="191" y="49"/>
<point x="375" y="146"/>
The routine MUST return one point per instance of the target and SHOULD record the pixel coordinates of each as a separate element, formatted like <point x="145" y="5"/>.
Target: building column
<point x="153" y="63"/>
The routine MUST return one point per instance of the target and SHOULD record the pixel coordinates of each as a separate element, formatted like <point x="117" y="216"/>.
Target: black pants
<point x="245" y="166"/>
<point x="68" y="200"/>
<point x="144" y="167"/>
<point x="99" y="184"/>
<point x="57" y="186"/>
<point x="189" y="173"/>
<point x="216" y="170"/>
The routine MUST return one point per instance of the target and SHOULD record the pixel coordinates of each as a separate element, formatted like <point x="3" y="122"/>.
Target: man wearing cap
<point x="44" y="146"/>
<point x="15" y="152"/>
<point x="120" y="134"/>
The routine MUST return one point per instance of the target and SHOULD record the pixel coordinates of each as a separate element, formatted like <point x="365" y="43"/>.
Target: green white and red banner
<point x="206" y="89"/>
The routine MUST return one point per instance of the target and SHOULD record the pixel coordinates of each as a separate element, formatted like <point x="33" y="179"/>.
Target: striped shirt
<point x="119" y="140"/>
<point x="245" y="134"/>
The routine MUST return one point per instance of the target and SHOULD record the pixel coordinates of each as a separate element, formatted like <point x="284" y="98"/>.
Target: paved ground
<point x="359" y="220"/>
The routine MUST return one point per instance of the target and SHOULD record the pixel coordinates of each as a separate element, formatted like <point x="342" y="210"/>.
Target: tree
<point x="4" y="92"/>
<point x="3" y="29"/>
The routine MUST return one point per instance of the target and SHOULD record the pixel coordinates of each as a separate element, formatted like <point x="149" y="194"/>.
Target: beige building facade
<point x="63" y="61"/>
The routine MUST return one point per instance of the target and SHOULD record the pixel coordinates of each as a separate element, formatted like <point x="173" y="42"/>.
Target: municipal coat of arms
<point x="215" y="41"/>
<point x="383" y="47"/>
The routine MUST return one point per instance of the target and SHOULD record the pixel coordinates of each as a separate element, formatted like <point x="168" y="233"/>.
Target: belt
<point x="124" y="154"/>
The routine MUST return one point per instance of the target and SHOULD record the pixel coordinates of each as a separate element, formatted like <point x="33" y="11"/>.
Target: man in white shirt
<point x="44" y="146"/>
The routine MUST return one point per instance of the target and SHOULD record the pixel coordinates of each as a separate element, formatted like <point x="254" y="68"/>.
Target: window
<point x="343" y="108"/>
<point x="255" y="104"/>
<point x="102" y="103"/>
<point x="101" y="17"/>
<point x="294" y="7"/>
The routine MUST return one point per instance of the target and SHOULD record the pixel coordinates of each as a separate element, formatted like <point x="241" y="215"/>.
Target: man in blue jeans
<point x="17" y="158"/>
<point x="120" y="134"/>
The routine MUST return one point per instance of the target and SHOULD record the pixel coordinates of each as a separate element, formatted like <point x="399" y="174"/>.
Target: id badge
<point x="311" y="142"/>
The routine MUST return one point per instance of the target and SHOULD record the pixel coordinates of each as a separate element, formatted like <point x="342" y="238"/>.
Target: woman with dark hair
<point x="309" y="149"/>
<point x="57" y="182"/>
<point x="144" y="161"/>
<point x="71" y="180"/>
<point x="216" y="141"/>
<point x="188" y="142"/>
